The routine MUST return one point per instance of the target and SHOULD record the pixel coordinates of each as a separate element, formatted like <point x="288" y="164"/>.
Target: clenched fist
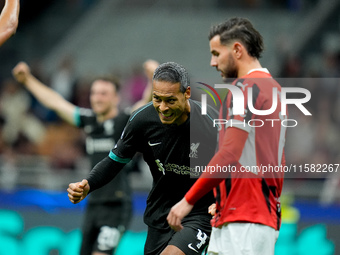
<point x="78" y="191"/>
<point x="21" y="71"/>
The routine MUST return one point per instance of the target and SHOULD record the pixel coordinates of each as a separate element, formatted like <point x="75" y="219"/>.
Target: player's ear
<point x="187" y="93"/>
<point x="238" y="49"/>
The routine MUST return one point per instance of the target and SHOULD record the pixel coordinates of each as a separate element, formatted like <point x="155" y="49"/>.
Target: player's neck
<point x="248" y="65"/>
<point x="109" y="115"/>
<point x="185" y="114"/>
<point x="187" y="110"/>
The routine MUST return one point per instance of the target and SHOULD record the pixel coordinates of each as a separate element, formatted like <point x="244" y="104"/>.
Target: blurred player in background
<point x="9" y="20"/>
<point x="247" y="213"/>
<point x="109" y="210"/>
<point x="161" y="131"/>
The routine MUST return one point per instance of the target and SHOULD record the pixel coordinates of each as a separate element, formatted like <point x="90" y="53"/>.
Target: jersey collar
<point x="265" y="70"/>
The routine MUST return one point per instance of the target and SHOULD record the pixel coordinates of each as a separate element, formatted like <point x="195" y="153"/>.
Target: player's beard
<point x="231" y="69"/>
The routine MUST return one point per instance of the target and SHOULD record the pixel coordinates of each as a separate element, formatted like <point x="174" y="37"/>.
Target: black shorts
<point x="192" y="239"/>
<point x="103" y="227"/>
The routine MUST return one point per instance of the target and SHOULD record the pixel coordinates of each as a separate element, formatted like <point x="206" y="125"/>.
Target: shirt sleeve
<point x="128" y="143"/>
<point x="119" y="156"/>
<point x="83" y="116"/>
<point x="103" y="173"/>
<point x="228" y="154"/>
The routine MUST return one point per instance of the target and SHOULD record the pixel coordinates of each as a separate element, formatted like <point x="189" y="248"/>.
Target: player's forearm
<point x="103" y="173"/>
<point x="228" y="154"/>
<point x="147" y="93"/>
<point x="203" y="185"/>
<point x="149" y="68"/>
<point x="145" y="99"/>
<point x="9" y="20"/>
<point x="50" y="98"/>
<point x="45" y="95"/>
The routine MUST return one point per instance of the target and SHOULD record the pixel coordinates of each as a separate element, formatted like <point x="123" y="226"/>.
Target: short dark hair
<point x="174" y="73"/>
<point x="239" y="29"/>
<point x="108" y="78"/>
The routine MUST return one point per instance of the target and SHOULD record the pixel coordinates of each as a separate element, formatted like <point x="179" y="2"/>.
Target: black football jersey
<point x="100" y="139"/>
<point x="172" y="153"/>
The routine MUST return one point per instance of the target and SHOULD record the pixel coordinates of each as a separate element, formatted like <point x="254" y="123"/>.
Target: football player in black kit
<point x="108" y="210"/>
<point x="173" y="137"/>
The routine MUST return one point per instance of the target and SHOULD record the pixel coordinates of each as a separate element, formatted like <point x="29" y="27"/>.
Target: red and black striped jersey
<point x="248" y="194"/>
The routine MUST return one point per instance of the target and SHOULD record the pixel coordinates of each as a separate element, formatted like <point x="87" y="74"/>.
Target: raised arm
<point x="149" y="68"/>
<point x="9" y="20"/>
<point x="45" y="95"/>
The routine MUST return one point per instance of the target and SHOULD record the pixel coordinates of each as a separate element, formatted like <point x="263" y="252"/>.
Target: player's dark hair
<point x="109" y="78"/>
<point x="174" y="73"/>
<point x="239" y="29"/>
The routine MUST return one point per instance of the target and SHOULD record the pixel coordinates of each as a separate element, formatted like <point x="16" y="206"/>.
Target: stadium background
<point x="69" y="41"/>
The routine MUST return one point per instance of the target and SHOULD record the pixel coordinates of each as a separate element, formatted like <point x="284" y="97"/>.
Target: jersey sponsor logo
<point x="160" y="166"/>
<point x="194" y="152"/>
<point x="192" y="248"/>
<point x="99" y="145"/>
<point x="180" y="170"/>
<point x="153" y="144"/>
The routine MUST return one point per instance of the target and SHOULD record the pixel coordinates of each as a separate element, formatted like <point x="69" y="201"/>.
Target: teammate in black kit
<point x="173" y="136"/>
<point x="109" y="210"/>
